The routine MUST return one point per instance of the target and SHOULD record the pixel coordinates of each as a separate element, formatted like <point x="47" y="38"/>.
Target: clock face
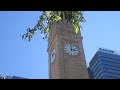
<point x="71" y="49"/>
<point x="53" y="54"/>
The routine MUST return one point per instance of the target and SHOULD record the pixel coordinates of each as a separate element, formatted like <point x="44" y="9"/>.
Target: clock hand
<point x="71" y="47"/>
<point x="74" y="49"/>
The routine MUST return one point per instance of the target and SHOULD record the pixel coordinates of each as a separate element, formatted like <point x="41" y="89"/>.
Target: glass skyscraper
<point x="105" y="64"/>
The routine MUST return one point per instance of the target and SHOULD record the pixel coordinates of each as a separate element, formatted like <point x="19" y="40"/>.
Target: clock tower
<point x="65" y="52"/>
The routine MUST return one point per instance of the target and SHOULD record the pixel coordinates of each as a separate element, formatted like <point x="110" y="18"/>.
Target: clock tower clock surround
<point x="68" y="59"/>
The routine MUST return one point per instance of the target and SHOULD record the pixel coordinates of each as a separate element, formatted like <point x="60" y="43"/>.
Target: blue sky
<point x="30" y="60"/>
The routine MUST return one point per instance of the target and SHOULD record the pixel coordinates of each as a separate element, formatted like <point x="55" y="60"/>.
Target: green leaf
<point x="47" y="30"/>
<point x="76" y="29"/>
<point x="57" y="18"/>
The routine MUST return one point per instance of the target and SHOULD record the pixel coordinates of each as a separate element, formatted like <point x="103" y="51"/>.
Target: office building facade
<point x="14" y="77"/>
<point x="11" y="77"/>
<point x="105" y="64"/>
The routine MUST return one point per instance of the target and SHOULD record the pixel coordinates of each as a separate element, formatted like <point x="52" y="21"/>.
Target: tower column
<point x="66" y="53"/>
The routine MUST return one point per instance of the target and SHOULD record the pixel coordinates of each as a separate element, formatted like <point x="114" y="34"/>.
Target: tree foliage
<point x="73" y="17"/>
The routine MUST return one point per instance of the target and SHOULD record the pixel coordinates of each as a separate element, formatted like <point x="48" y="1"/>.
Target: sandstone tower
<point x="65" y="53"/>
